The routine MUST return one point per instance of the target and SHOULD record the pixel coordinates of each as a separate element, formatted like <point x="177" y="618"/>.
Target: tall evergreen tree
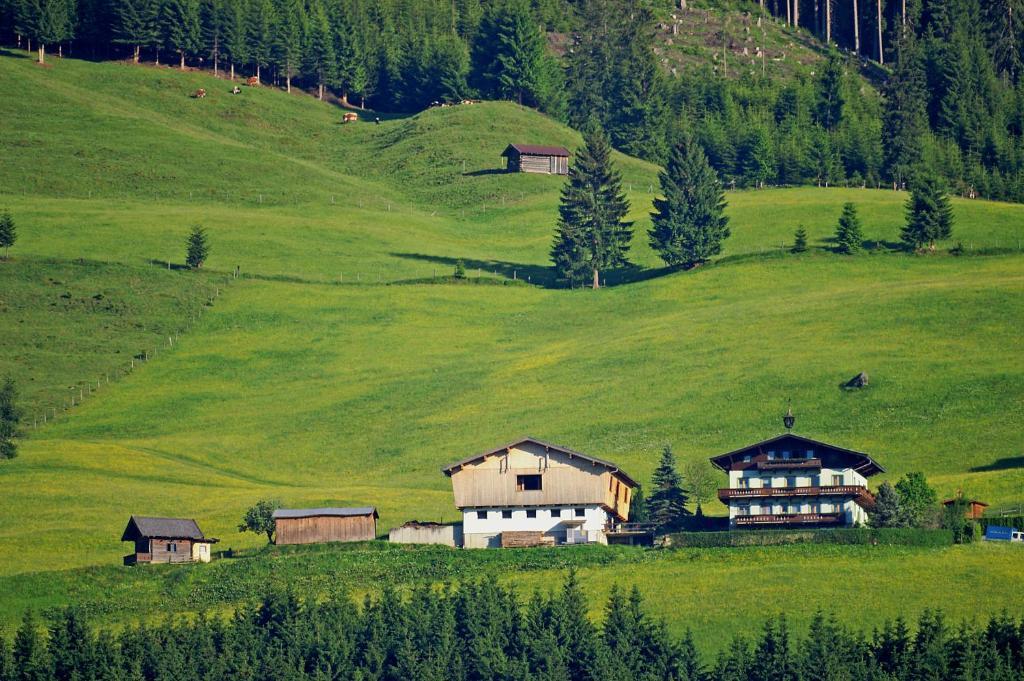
<point x="667" y="504"/>
<point x="905" y="116"/>
<point x="213" y="20"/>
<point x="260" y="21"/>
<point x="689" y="224"/>
<point x="1005" y="25"/>
<point x="929" y="213"/>
<point x="831" y="93"/>
<point x="593" y="234"/>
<point x="8" y="233"/>
<point x="236" y="34"/>
<point x="318" y="51"/>
<point x="198" y="248"/>
<point x="849" y="235"/>
<point x="179" y="21"/>
<point x="10" y="419"/>
<point x="888" y="512"/>
<point x="287" y="40"/>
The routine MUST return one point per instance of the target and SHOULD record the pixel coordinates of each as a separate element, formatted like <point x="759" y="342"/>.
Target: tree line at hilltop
<point x="483" y="632"/>
<point x="951" y="95"/>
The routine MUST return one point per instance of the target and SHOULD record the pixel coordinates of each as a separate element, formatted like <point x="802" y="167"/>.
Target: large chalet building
<point x="793" y="481"/>
<point x="531" y="492"/>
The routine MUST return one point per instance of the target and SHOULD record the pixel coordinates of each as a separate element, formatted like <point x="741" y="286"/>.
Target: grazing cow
<point x="199" y="94"/>
<point x="253" y="81"/>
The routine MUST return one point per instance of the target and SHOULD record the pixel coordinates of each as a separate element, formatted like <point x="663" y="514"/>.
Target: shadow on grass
<point x="486" y="171"/>
<point x="12" y="54"/>
<point x="168" y="265"/>
<point x="1004" y="464"/>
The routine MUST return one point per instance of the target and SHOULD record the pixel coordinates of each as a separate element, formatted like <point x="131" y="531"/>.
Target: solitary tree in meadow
<point x="198" y="248"/>
<point x="929" y="214"/>
<point x="666" y="506"/>
<point x="689" y="224"/>
<point x="260" y="519"/>
<point x="10" y="419"/>
<point x="849" y="235"/>
<point x="8" y="234"/>
<point x="799" y="240"/>
<point x="593" y="234"/>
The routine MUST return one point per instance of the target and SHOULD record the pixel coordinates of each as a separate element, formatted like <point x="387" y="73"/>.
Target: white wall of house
<point x="482" y="527"/>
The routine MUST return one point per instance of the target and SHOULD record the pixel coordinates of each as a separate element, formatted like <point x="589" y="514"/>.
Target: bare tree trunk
<point x="789" y="12"/>
<point x="856" y="29"/>
<point x="288" y="80"/>
<point x="796" y="13"/>
<point x="232" y="70"/>
<point x="42" y="53"/>
<point x="320" y="93"/>
<point x="828" y="22"/>
<point x="257" y="72"/>
<point x="216" y="64"/>
<point x="182" y="55"/>
<point x="135" y="54"/>
<point x="881" y="45"/>
<point x="597" y="280"/>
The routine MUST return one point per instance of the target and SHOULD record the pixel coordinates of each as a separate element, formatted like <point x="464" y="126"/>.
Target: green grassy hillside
<point x="313" y="381"/>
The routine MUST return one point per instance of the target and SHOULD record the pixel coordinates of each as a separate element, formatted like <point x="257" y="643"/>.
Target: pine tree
<point x="849" y="235"/>
<point x="593" y="234"/>
<point x="759" y="157"/>
<point x="179" y="21"/>
<point x="198" y="248"/>
<point x="28" y="652"/>
<point x="259" y="34"/>
<point x="319" y="58"/>
<point x="799" y="240"/>
<point x="47" y="22"/>
<point x="689" y="224"/>
<point x="888" y="512"/>
<point x="286" y="44"/>
<point x="520" y="51"/>
<point x="831" y="93"/>
<point x="905" y="115"/>
<point x="8" y="233"/>
<point x="449" y="66"/>
<point x="667" y="504"/>
<point x="10" y="419"/>
<point x="929" y="213"/>
<point x="235" y="34"/>
<point x="1005" y="26"/>
<point x="638" y="507"/>
<point x="350" y="72"/>
<point x="213" y="19"/>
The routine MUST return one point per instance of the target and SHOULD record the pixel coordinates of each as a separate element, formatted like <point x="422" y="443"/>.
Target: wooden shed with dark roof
<point x="166" y="540"/>
<point x="318" y="525"/>
<point x="535" y="158"/>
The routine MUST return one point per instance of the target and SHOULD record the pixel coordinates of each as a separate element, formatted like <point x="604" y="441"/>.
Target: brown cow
<point x="253" y="81"/>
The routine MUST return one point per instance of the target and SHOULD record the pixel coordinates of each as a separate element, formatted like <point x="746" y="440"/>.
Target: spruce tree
<point x="799" y="240"/>
<point x="592" y="234"/>
<point x="10" y="419"/>
<point x="929" y="214"/>
<point x="905" y="120"/>
<point x="350" y="71"/>
<point x="888" y="512"/>
<point x="179" y="20"/>
<point x="213" y="20"/>
<point x="667" y="504"/>
<point x="286" y="44"/>
<point x="260" y="21"/>
<point x="520" y="51"/>
<point x="849" y="235"/>
<point x="689" y="224"/>
<point x="8" y="233"/>
<point x="235" y="34"/>
<point x="198" y="248"/>
<point x="319" y="59"/>
<point x="831" y="95"/>
<point x="638" y="123"/>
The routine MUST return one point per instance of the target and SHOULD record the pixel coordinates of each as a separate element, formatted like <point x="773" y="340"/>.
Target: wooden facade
<point x="532" y="158"/>
<point x="166" y="540"/>
<point x="973" y="509"/>
<point x="319" y="525"/>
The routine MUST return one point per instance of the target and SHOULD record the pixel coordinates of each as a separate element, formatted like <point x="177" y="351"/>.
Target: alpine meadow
<point x="692" y="331"/>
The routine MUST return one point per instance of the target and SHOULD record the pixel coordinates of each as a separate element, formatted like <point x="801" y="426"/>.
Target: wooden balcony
<point x="777" y="519"/>
<point x="630" y="528"/>
<point x="858" y="493"/>
<point x="136" y="558"/>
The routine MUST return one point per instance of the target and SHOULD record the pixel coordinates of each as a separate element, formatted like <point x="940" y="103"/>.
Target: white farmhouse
<point x="532" y="492"/>
<point x="794" y="481"/>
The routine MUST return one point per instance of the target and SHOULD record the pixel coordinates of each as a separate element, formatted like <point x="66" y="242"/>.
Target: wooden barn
<point x="318" y="525"/>
<point x="532" y="158"/>
<point x="166" y="540"/>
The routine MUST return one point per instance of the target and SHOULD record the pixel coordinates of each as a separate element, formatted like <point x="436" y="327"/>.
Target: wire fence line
<point x="85" y="390"/>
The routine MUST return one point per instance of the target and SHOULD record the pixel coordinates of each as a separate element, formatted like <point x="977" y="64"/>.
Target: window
<point x="481" y="515"/>
<point x="579" y="512"/>
<point x="741" y="483"/>
<point x="792" y="482"/>
<point x="771" y="456"/>
<point x="785" y="455"/>
<point x="766" y="483"/>
<point x="556" y="513"/>
<point x="810" y="453"/>
<point x="746" y="458"/>
<point x="531" y="513"/>
<point x="837" y="480"/>
<point x="172" y="547"/>
<point x="527" y="483"/>
<point x="506" y="514"/>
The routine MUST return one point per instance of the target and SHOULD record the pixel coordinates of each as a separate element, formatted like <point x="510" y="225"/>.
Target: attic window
<point x="771" y="456"/>
<point x="810" y="453"/>
<point x="527" y="483"/>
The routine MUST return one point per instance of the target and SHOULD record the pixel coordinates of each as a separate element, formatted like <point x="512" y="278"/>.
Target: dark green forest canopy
<point x="944" y="91"/>
<point x="484" y="631"/>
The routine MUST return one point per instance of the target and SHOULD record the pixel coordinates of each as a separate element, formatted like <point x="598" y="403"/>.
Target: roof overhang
<point x="571" y="453"/>
<point x="866" y="466"/>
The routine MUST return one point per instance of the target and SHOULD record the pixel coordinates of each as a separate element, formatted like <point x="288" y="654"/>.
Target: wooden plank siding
<point x="317" y="529"/>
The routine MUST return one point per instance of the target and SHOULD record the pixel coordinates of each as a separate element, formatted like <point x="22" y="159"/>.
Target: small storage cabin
<point x="532" y="158"/>
<point x="973" y="509"/>
<point x="318" y="525"/>
<point x="166" y="540"/>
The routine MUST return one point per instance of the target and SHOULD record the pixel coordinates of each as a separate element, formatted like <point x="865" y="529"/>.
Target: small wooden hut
<point x="166" y="540"/>
<point x="533" y="158"/>
<point x="318" y="525"/>
<point x="973" y="509"/>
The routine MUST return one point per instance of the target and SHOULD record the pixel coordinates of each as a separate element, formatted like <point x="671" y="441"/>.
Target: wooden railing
<point x="858" y="492"/>
<point x="789" y="519"/>
<point x="630" y="528"/>
<point x="776" y="464"/>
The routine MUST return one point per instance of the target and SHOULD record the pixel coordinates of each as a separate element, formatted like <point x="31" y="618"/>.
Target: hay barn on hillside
<point x="166" y="540"/>
<point x="533" y="158"/>
<point x="317" y="525"/>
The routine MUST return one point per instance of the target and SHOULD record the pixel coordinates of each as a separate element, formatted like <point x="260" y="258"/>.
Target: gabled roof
<point x="864" y="465"/>
<point x="950" y="502"/>
<point x="448" y="470"/>
<point x="317" y="512"/>
<point x="161" y="528"/>
<point x="536" y="150"/>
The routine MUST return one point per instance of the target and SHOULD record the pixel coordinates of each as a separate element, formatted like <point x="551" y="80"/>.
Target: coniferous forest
<point x="902" y="83"/>
<point x="483" y="631"/>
